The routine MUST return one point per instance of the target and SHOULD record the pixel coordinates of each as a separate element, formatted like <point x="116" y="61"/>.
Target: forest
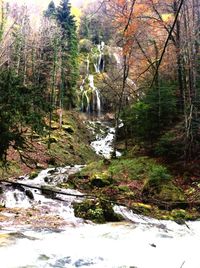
<point x="157" y="48"/>
<point x="101" y="97"/>
<point x="100" y="133"/>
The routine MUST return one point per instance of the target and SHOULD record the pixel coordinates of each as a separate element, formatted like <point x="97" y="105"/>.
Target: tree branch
<point x="167" y="41"/>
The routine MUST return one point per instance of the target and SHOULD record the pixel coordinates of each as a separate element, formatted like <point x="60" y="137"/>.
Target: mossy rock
<point x="164" y="193"/>
<point x="48" y="191"/>
<point x="101" y="180"/>
<point x="33" y="175"/>
<point x="53" y="139"/>
<point x="68" y="128"/>
<point x="55" y="126"/>
<point x="141" y="208"/>
<point x="179" y="214"/>
<point x="98" y="211"/>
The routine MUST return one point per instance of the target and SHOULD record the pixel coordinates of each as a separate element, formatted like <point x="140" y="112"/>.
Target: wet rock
<point x="29" y="194"/>
<point x="46" y="179"/>
<point x="98" y="211"/>
<point x="52" y="171"/>
<point x="180" y="221"/>
<point x="1" y="190"/>
<point x="18" y="187"/>
<point x="43" y="257"/>
<point x="48" y="191"/>
<point x="63" y="262"/>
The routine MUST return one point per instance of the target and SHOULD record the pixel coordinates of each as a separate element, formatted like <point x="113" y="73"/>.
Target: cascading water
<point x="91" y="98"/>
<point x="103" y="145"/>
<point x="99" y="66"/>
<point x="96" y="95"/>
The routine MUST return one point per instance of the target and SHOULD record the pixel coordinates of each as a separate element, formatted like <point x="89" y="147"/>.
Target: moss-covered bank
<point x="139" y="183"/>
<point x="69" y="145"/>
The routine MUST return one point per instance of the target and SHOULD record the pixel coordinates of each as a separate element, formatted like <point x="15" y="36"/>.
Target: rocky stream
<point x="38" y="229"/>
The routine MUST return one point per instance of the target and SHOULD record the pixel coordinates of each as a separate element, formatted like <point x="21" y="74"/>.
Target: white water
<point x="144" y="244"/>
<point x="96" y="95"/>
<point x="103" y="145"/>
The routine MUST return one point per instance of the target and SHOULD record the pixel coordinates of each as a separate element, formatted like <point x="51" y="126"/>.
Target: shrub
<point x="159" y="173"/>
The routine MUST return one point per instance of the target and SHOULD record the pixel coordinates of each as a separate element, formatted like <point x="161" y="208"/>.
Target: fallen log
<point x="45" y="189"/>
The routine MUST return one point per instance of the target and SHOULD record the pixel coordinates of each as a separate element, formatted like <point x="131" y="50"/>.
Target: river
<point x="38" y="231"/>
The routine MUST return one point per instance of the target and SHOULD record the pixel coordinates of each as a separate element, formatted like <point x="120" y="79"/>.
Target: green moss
<point x="68" y="185"/>
<point x="166" y="191"/>
<point x="98" y="211"/>
<point x="33" y="175"/>
<point x="179" y="214"/>
<point x="101" y="179"/>
<point x="11" y="168"/>
<point x="123" y="188"/>
<point x="141" y="208"/>
<point x="129" y="169"/>
<point x="53" y="139"/>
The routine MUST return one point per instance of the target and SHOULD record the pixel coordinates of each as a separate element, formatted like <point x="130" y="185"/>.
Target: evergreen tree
<point x="69" y="47"/>
<point x="19" y="106"/>
<point x="51" y="10"/>
<point x="148" y="118"/>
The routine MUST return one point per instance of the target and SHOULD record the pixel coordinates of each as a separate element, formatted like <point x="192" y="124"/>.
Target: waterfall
<point x="96" y="95"/>
<point x="90" y="94"/>
<point x="98" y="102"/>
<point x="99" y="66"/>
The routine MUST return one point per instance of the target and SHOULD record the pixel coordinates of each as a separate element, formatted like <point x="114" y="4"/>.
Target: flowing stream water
<point x="40" y="231"/>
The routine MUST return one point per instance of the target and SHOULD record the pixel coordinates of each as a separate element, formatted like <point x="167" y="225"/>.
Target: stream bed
<point x="39" y="231"/>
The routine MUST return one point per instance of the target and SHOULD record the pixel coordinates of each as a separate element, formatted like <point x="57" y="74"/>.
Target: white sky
<point x="43" y="3"/>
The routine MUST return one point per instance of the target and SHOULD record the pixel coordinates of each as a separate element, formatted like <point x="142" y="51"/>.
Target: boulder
<point x="98" y="211"/>
<point x="48" y="191"/>
<point x="53" y="139"/>
<point x="29" y="194"/>
<point x="69" y="129"/>
<point x="101" y="180"/>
